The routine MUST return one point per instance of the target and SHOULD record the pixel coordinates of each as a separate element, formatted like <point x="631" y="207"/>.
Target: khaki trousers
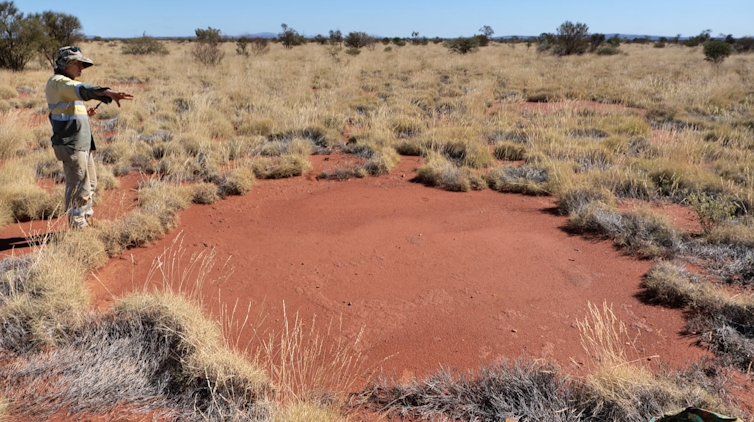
<point x="80" y="183"/>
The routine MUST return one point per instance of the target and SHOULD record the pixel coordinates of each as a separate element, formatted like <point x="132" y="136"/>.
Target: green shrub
<point x="19" y="38"/>
<point x="357" y="40"/>
<point x="716" y="51"/>
<point x="712" y="210"/>
<point x="207" y="50"/>
<point x="462" y="45"/>
<point x="290" y="37"/>
<point x="242" y="46"/>
<point x="571" y="38"/>
<point x="144" y="45"/>
<point x="58" y="30"/>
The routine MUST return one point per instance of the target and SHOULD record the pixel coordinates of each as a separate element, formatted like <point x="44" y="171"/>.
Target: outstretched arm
<point x="115" y="96"/>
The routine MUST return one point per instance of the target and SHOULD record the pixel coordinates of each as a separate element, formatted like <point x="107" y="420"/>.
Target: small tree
<point x="703" y="37"/>
<point x="242" y="46"/>
<point x="58" y="30"/>
<point x="336" y="37"/>
<point x="320" y="39"/>
<point x="614" y="41"/>
<point x="484" y="38"/>
<point x="290" y="37"/>
<point x="20" y="37"/>
<point x="415" y="38"/>
<point x="744" y="44"/>
<point x="207" y="50"/>
<point x="572" y="38"/>
<point x="596" y="41"/>
<point x="143" y="45"/>
<point x="462" y="45"/>
<point x="716" y="51"/>
<point x="260" y="46"/>
<point x="487" y="31"/>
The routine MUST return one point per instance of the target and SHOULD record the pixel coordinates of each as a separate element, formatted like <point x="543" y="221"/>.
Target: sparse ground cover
<point x="650" y="125"/>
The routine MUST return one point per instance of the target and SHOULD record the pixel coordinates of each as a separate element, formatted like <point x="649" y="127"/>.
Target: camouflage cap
<point x="66" y="56"/>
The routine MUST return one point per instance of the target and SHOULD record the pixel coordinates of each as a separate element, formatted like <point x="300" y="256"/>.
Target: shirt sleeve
<point x="86" y="92"/>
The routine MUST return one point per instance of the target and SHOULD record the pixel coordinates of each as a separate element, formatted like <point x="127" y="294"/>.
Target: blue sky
<point x="443" y="18"/>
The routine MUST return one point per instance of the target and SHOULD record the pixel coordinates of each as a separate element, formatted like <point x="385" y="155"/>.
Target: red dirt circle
<point x="435" y="278"/>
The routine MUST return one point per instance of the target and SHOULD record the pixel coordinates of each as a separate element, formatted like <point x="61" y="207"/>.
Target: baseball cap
<point x="70" y="54"/>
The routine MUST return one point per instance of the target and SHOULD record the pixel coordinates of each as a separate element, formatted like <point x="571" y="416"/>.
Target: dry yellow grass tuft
<point x="46" y="295"/>
<point x="7" y="92"/>
<point x="627" y="383"/>
<point x="308" y="412"/>
<point x="280" y="167"/>
<point x="15" y="134"/>
<point x="313" y="365"/>
<point x="204" y="349"/>
<point x="237" y="182"/>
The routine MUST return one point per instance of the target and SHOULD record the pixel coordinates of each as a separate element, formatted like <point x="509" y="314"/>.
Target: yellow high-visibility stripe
<point x="79" y="108"/>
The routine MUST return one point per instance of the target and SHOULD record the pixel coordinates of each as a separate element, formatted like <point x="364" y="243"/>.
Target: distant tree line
<point x="24" y="37"/>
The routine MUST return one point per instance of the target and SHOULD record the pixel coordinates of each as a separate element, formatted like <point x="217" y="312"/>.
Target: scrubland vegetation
<point x="596" y="131"/>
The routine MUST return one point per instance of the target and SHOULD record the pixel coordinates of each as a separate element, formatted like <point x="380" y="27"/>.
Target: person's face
<point x="74" y="70"/>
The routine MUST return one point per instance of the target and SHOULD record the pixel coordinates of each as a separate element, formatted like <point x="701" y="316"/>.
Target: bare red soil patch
<point x="435" y="277"/>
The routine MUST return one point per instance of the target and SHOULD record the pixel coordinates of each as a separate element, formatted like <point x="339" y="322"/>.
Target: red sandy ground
<point x="435" y="277"/>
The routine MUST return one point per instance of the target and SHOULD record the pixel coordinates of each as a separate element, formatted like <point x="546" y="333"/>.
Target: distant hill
<point x="261" y="35"/>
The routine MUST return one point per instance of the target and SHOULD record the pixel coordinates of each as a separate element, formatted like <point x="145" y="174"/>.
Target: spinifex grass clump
<point x="15" y="135"/>
<point x="641" y="232"/>
<point x="237" y="182"/>
<point x="441" y="172"/>
<point x="201" y="373"/>
<point x="526" y="179"/>
<point x="535" y="390"/>
<point x="22" y="199"/>
<point x="159" y="204"/>
<point x="150" y="353"/>
<point x="724" y="321"/>
<point x="280" y="167"/>
<point x="574" y="199"/>
<point x="42" y="294"/>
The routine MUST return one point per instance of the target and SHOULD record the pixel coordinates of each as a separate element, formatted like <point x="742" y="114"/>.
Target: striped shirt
<point x="70" y="123"/>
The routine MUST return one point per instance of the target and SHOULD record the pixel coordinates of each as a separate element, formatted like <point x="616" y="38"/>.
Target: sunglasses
<point x="75" y="49"/>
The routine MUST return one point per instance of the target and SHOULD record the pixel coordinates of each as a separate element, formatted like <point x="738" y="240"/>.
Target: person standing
<point x="72" y="138"/>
